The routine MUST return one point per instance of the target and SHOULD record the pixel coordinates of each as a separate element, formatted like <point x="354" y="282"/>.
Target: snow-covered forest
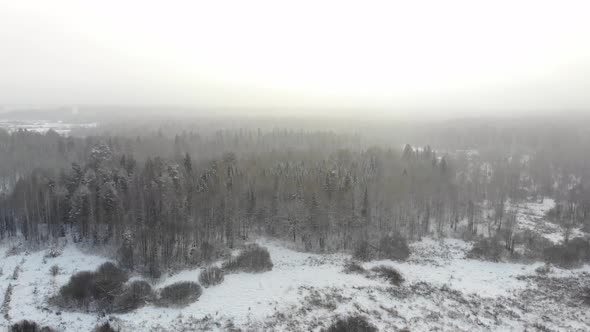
<point x="296" y="228"/>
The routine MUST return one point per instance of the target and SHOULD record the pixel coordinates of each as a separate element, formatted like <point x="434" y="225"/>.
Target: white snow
<point x="43" y="126"/>
<point x="303" y="291"/>
<point x="532" y="216"/>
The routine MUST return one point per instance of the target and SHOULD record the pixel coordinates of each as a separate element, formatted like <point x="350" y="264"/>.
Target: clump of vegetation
<point x="253" y="258"/>
<point x="53" y="252"/>
<point x="16" y="272"/>
<point x="78" y="289"/>
<point x="6" y="302"/>
<point x="363" y="251"/>
<point x="352" y="324"/>
<point x="569" y="255"/>
<point x="354" y="267"/>
<point x="135" y="295"/>
<point x="544" y="269"/>
<point x="180" y="294"/>
<point x="29" y="326"/>
<point x="106" y="327"/>
<point x="14" y="250"/>
<point x="391" y="274"/>
<point x="54" y="270"/>
<point x="489" y="249"/>
<point x="108" y="279"/>
<point x="211" y="276"/>
<point x="94" y="289"/>
<point x="586" y="296"/>
<point x="534" y="245"/>
<point x="394" y="247"/>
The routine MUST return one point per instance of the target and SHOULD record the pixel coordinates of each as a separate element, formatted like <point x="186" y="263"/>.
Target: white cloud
<point x="419" y="54"/>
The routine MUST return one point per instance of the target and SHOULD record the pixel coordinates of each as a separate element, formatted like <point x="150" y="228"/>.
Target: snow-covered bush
<point x="53" y="252"/>
<point x="97" y="288"/>
<point x="180" y="294"/>
<point x="572" y="254"/>
<point x="353" y="267"/>
<point x="108" y="282"/>
<point x="391" y="274"/>
<point x="211" y="276"/>
<point x="489" y="249"/>
<point x="79" y="288"/>
<point x="206" y="252"/>
<point x="363" y="252"/>
<point x="15" y="249"/>
<point x="394" y="247"/>
<point x="534" y="244"/>
<point x="586" y="296"/>
<point x="29" y="326"/>
<point x="135" y="295"/>
<point x="582" y="247"/>
<point x="253" y="258"/>
<point x="54" y="270"/>
<point x="352" y="324"/>
<point x="544" y="269"/>
<point x="106" y="327"/>
<point x="6" y="302"/>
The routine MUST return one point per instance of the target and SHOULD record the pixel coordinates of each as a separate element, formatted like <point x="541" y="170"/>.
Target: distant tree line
<point x="169" y="200"/>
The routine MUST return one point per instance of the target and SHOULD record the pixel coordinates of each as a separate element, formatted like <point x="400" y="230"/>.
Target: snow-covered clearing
<point x="532" y="216"/>
<point x="442" y="290"/>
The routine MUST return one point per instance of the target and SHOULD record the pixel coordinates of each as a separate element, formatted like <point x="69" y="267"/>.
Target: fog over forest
<point x="280" y="166"/>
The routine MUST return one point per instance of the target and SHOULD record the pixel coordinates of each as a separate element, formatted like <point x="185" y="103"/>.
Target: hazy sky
<point x="501" y="56"/>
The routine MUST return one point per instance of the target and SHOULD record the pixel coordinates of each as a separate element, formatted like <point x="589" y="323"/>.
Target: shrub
<point x="544" y="269"/>
<point x="211" y="276"/>
<point x="586" y="296"/>
<point x="582" y="247"/>
<point x="352" y="324"/>
<point x="180" y="293"/>
<point x="78" y="288"/>
<point x="252" y="259"/>
<point x="98" y="287"/>
<point x="54" y="270"/>
<point x="134" y="295"/>
<point x="363" y="252"/>
<point x="52" y="252"/>
<point x="389" y="273"/>
<point x="561" y="256"/>
<point x="29" y="326"/>
<point x="5" y="307"/>
<point x="106" y="327"/>
<point x="568" y="255"/>
<point x="488" y="249"/>
<point x="108" y="280"/>
<point x="353" y="267"/>
<point x="535" y="244"/>
<point x="394" y="247"/>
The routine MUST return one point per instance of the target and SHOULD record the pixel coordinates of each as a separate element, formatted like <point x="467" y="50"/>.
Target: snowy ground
<point x="443" y="290"/>
<point x="42" y="126"/>
<point x="532" y="216"/>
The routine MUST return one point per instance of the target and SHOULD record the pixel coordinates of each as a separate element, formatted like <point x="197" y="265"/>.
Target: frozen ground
<point x="532" y="216"/>
<point x="42" y="126"/>
<point x="442" y="290"/>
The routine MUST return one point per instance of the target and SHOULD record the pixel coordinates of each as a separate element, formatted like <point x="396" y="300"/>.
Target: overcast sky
<point x="475" y="56"/>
